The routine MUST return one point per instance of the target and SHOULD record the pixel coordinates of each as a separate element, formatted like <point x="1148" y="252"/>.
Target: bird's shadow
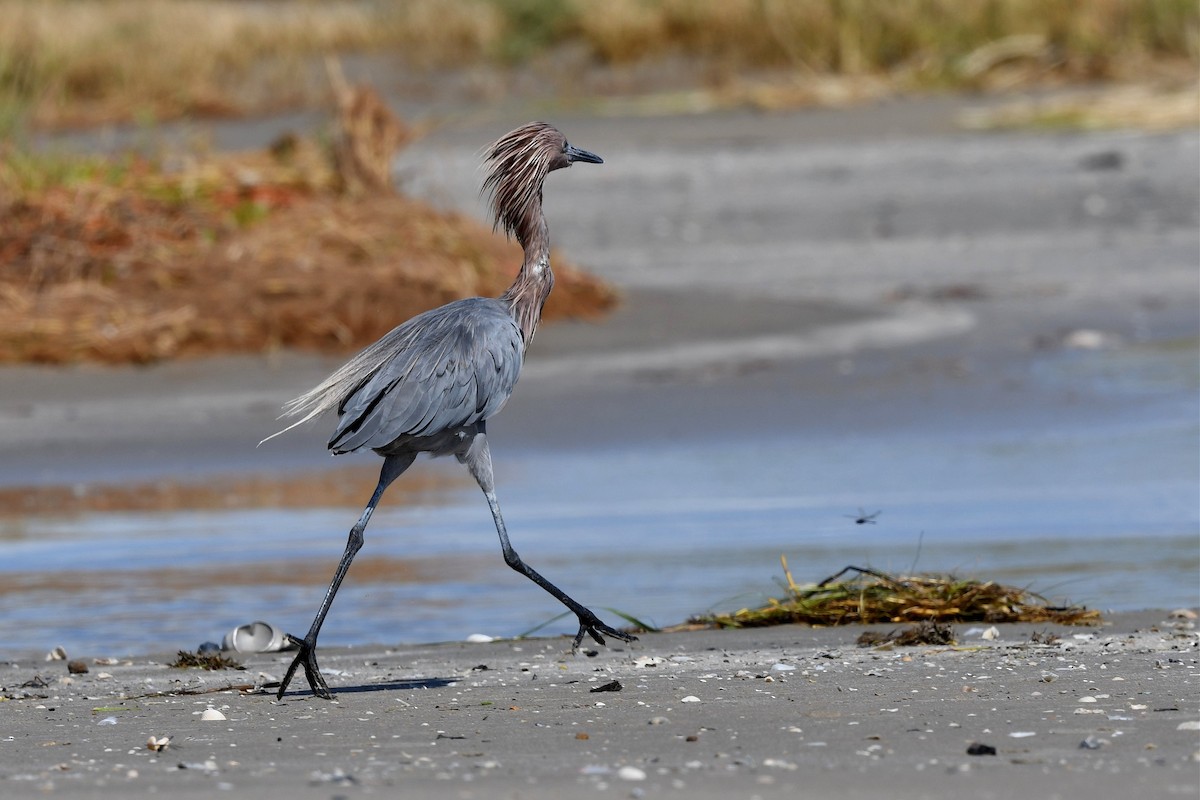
<point x="386" y="686"/>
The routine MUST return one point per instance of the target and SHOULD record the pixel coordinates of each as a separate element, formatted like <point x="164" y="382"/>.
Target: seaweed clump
<point x="923" y="633"/>
<point x="210" y="661"/>
<point x="868" y="596"/>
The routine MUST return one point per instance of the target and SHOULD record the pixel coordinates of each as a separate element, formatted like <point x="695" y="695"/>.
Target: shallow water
<point x="1099" y="510"/>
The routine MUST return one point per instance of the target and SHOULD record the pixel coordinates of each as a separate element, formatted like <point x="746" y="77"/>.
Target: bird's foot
<point x="591" y="625"/>
<point x="306" y="656"/>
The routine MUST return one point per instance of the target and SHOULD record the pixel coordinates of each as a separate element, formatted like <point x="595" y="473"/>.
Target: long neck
<point x="534" y="281"/>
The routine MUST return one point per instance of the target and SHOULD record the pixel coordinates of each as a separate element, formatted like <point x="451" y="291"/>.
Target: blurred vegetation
<point x="68" y="62"/>
<point x="1140" y="107"/>
<point x="133" y="260"/>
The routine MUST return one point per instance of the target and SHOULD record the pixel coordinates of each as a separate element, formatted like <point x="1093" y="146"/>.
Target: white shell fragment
<point x="480" y="638"/>
<point x="631" y="774"/>
<point x="782" y="668"/>
<point x="691" y="698"/>
<point x="158" y="743"/>
<point x="991" y="634"/>
<point x="211" y="715"/>
<point x="1190" y="725"/>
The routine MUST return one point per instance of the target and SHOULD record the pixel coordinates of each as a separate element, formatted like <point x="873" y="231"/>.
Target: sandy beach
<point x="1058" y="712"/>
<point x="819" y="287"/>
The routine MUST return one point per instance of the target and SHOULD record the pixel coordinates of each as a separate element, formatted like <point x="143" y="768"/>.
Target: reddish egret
<point x="431" y="384"/>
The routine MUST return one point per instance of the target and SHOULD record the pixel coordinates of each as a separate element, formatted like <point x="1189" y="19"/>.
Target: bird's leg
<point x="478" y="459"/>
<point x="393" y="466"/>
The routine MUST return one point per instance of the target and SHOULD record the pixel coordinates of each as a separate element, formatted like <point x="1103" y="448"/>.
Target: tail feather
<point x="333" y="391"/>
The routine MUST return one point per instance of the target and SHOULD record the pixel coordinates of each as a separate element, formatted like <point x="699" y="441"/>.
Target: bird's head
<point x="518" y="163"/>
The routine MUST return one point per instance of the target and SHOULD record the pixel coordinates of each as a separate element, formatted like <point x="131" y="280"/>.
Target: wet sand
<point x="1109" y="712"/>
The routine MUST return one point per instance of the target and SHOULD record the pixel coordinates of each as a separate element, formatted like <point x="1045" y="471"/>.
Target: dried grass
<point x="128" y="59"/>
<point x="871" y="597"/>
<point x="73" y="62"/>
<point x="940" y="41"/>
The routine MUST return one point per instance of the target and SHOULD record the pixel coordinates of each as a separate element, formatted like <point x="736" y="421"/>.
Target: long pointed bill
<point x="575" y="154"/>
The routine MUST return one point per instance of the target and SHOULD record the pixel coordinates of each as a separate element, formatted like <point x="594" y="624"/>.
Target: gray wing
<point x="450" y="367"/>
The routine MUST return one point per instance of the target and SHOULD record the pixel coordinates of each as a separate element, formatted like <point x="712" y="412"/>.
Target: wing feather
<point x="448" y="368"/>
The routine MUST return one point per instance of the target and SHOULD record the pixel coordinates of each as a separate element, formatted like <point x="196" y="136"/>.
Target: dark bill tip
<point x="575" y="154"/>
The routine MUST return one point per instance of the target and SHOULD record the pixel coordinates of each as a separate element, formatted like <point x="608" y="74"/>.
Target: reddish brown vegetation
<point x="238" y="255"/>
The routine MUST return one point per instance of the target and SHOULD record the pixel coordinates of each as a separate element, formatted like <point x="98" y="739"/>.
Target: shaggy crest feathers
<point x="519" y="161"/>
